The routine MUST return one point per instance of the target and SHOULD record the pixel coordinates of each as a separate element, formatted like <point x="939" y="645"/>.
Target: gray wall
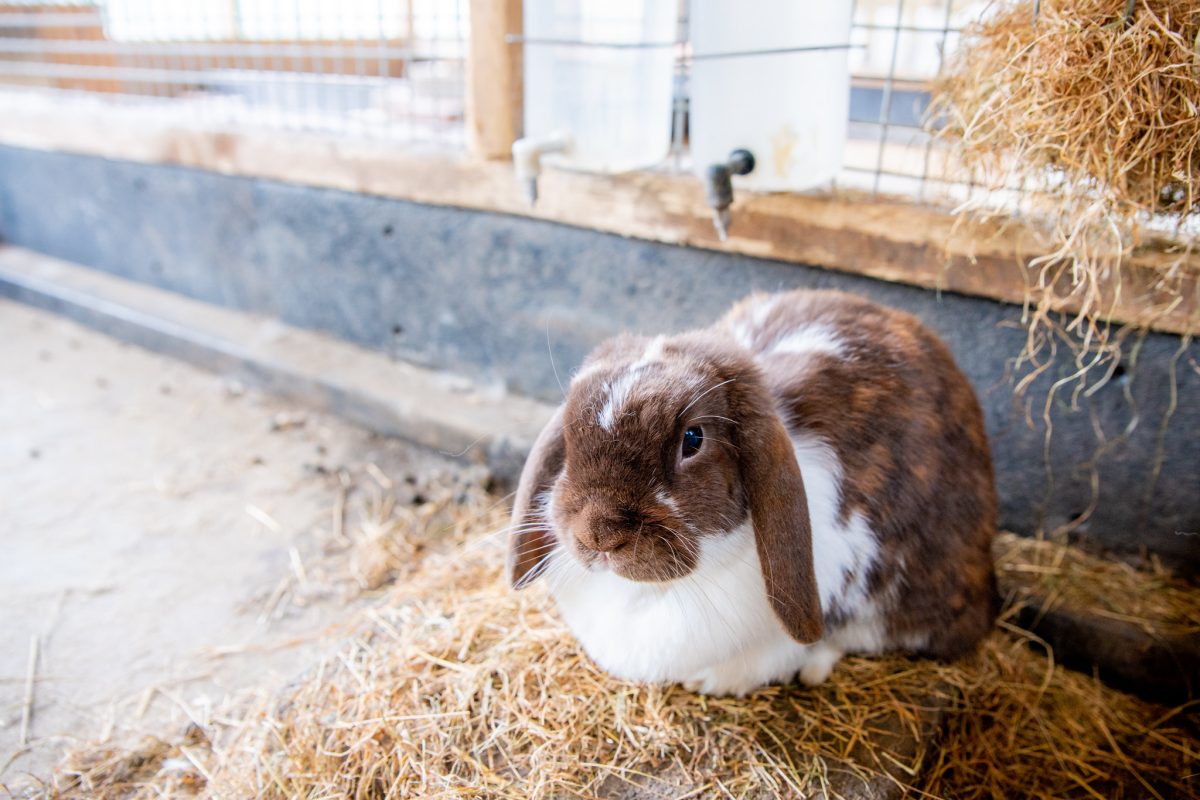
<point x="483" y="294"/>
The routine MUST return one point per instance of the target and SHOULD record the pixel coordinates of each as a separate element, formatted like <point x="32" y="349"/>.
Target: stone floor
<point x="157" y="521"/>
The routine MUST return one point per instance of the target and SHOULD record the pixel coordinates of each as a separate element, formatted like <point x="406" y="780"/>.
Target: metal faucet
<point x="527" y="159"/>
<point x="718" y="187"/>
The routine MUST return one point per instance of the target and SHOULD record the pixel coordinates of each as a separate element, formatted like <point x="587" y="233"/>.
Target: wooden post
<point x="495" y="94"/>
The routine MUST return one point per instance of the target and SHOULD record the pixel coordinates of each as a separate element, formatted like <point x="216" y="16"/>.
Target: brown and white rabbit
<point x="734" y="506"/>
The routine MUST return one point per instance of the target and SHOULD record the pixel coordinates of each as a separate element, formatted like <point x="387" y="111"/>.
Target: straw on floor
<point x="459" y="687"/>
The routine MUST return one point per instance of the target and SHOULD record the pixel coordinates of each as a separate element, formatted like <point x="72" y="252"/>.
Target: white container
<point x="788" y="109"/>
<point x="612" y="103"/>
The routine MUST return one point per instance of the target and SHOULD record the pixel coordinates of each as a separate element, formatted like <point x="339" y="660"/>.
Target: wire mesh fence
<point x="900" y="48"/>
<point x="381" y="68"/>
<point x="394" y="70"/>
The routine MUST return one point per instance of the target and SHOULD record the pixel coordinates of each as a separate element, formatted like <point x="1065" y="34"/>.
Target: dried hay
<point x="392" y="525"/>
<point x="379" y="531"/>
<point x="460" y="687"/>
<point x="1056" y="574"/>
<point x="151" y="768"/>
<point x="1094" y="116"/>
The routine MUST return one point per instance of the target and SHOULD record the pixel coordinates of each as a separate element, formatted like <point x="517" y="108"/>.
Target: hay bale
<point x="465" y="686"/>
<point x="1074" y="90"/>
<point x="1054" y="574"/>
<point x="1095" y="118"/>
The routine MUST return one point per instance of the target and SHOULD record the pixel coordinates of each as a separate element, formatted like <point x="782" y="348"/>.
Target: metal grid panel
<point x="381" y="68"/>
<point x="900" y="48"/>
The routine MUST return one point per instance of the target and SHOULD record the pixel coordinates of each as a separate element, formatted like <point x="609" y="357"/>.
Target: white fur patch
<point x="842" y="554"/>
<point x="671" y="632"/>
<point x="759" y="314"/>
<point x="714" y="629"/>
<point x="745" y="331"/>
<point x="667" y="501"/>
<point x="620" y="387"/>
<point x="618" y="393"/>
<point x="743" y="335"/>
<point x="809" y="339"/>
<point x="595" y="366"/>
<point x="806" y="338"/>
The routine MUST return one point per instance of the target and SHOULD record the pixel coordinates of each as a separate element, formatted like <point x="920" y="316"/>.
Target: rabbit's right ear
<point x="530" y="535"/>
<point x="779" y="511"/>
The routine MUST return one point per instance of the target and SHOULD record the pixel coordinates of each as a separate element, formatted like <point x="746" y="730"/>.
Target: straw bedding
<point x="458" y="686"/>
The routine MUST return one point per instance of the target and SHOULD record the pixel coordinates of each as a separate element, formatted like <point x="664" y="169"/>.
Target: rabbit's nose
<point x="607" y="531"/>
<point x="610" y="541"/>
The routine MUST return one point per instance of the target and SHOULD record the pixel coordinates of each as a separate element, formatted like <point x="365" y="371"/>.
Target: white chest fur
<point x="714" y="630"/>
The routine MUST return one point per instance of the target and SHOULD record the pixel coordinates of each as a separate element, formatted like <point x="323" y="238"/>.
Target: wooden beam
<point x="884" y="238"/>
<point x="88" y="29"/>
<point x="495" y="95"/>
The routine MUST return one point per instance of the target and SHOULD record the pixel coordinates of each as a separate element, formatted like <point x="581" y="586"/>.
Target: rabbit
<point x="745" y="504"/>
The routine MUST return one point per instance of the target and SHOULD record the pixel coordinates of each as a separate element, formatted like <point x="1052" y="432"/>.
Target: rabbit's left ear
<point x="530" y="535"/>
<point x="779" y="511"/>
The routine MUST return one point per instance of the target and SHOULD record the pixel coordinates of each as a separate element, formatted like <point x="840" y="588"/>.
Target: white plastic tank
<point x="789" y="109"/>
<point x="600" y="74"/>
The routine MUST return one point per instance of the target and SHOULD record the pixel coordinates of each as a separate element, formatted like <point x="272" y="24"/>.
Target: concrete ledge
<point x="436" y="410"/>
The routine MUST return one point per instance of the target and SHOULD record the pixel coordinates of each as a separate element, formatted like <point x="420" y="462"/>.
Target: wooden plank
<point x="881" y="238"/>
<point x="495" y="96"/>
<point x="351" y="57"/>
<point x="88" y="29"/>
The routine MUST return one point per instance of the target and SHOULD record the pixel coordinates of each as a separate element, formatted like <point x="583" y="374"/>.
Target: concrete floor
<point x="151" y="514"/>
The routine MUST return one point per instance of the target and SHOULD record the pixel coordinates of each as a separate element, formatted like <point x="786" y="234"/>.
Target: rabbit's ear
<point x="530" y="536"/>
<point x="779" y="512"/>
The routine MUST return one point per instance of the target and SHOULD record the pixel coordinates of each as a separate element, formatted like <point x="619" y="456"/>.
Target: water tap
<point x="718" y="187"/>
<point x="527" y="159"/>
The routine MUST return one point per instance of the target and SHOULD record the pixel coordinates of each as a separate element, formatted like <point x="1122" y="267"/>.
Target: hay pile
<point x="1095" y="117"/>
<point x="459" y="687"/>
<point x="1054" y="574"/>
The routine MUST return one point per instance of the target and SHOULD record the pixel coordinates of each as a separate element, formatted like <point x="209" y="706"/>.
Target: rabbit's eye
<point x="693" y="437"/>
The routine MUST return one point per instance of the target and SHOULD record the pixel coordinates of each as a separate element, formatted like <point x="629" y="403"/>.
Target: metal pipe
<point x="718" y="187"/>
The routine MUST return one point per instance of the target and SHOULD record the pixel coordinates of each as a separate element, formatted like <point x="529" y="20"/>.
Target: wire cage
<point x="394" y="70"/>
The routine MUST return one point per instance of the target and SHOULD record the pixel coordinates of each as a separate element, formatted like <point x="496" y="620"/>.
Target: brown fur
<point x="909" y="432"/>
<point x="896" y="410"/>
